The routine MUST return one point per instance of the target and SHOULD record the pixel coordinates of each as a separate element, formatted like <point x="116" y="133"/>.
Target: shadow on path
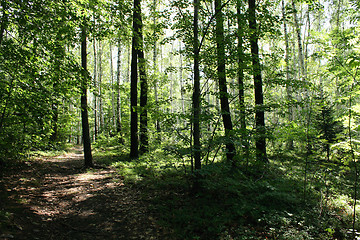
<point x="55" y="198"/>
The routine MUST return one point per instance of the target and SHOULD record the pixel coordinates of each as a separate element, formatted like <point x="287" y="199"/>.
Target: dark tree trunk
<point x="4" y="20"/>
<point x="55" y="118"/>
<point x="260" y="140"/>
<point x="84" y="108"/>
<point x="134" y="142"/>
<point x="240" y="75"/>
<point x="196" y="93"/>
<point x="144" y="140"/>
<point x="221" y="71"/>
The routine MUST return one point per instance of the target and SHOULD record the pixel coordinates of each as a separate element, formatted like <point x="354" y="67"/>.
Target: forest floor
<point x="55" y="198"/>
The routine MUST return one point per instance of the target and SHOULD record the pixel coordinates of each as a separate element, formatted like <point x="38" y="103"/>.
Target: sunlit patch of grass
<point x="110" y="155"/>
<point x="149" y="166"/>
<point x="48" y="153"/>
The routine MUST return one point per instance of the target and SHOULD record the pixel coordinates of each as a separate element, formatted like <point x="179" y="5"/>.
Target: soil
<point x="55" y="198"/>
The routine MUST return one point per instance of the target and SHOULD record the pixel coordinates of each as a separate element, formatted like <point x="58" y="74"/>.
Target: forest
<point x="178" y="119"/>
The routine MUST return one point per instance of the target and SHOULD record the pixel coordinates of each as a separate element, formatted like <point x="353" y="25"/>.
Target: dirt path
<point x="55" y="198"/>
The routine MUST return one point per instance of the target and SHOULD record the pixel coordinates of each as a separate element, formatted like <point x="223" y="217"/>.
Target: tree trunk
<point x="113" y="89"/>
<point x="182" y="90"/>
<point x="101" y="114"/>
<point x="134" y="142"/>
<point x="290" y="142"/>
<point x="240" y="75"/>
<point x="300" y="48"/>
<point x="157" y="123"/>
<point x="196" y="93"/>
<point x="118" y="97"/>
<point x="221" y="71"/>
<point x="144" y="140"/>
<point x="260" y="139"/>
<point x="95" y="94"/>
<point x="4" y="20"/>
<point x="84" y="108"/>
<point x="54" y="120"/>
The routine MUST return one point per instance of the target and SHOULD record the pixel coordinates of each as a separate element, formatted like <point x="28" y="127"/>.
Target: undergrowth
<point x="246" y="203"/>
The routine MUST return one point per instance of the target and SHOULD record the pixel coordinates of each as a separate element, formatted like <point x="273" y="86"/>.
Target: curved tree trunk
<point x="221" y="71"/>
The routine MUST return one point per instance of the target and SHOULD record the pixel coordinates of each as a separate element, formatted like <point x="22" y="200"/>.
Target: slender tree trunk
<point x="134" y="142"/>
<point x="181" y="81"/>
<point x="113" y="89"/>
<point x="290" y="142"/>
<point x="240" y="75"/>
<point x="118" y="97"/>
<point x="171" y="90"/>
<point x="144" y="140"/>
<point x="84" y="108"/>
<point x="95" y="93"/>
<point x="300" y="48"/>
<point x="4" y="20"/>
<point x="157" y="122"/>
<point x="101" y="114"/>
<point x="196" y="93"/>
<point x="221" y="71"/>
<point x="55" y="119"/>
<point x="260" y="140"/>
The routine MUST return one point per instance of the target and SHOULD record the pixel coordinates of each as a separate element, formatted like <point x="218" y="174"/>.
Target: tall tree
<point x="118" y="97"/>
<point x="84" y="107"/>
<point x="240" y="75"/>
<point x="221" y="72"/>
<point x="157" y="123"/>
<point x="100" y="78"/>
<point x="4" y="19"/>
<point x="299" y="41"/>
<point x="144" y="140"/>
<point x="290" y="143"/>
<point x="95" y="93"/>
<point x="134" y="142"/>
<point x="260" y="140"/>
<point x="196" y="91"/>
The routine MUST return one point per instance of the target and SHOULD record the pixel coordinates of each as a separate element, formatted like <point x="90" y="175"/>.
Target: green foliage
<point x="328" y="128"/>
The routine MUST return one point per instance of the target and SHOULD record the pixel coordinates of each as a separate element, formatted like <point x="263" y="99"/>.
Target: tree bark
<point x="101" y="115"/>
<point x="221" y="71"/>
<point x="300" y="48"/>
<point x="196" y="93"/>
<point x="290" y="142"/>
<point x="144" y="140"/>
<point x="95" y="94"/>
<point x="113" y="89"/>
<point x="118" y="97"/>
<point x="240" y="76"/>
<point x="260" y="139"/>
<point x="157" y="122"/>
<point x="134" y="142"/>
<point x="4" y="20"/>
<point x="84" y="108"/>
